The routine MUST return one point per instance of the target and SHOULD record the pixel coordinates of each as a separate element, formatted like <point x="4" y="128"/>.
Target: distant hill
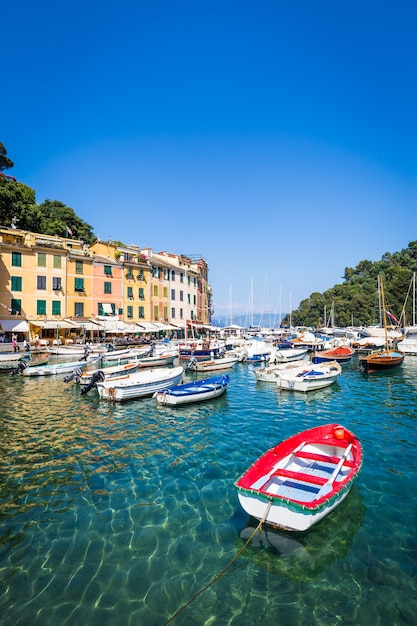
<point x="356" y="301"/>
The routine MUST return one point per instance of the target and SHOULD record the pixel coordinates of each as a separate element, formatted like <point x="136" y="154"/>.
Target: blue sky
<point x="275" y="139"/>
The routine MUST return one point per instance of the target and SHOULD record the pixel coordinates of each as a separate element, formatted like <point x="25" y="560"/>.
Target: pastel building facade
<point x="48" y="282"/>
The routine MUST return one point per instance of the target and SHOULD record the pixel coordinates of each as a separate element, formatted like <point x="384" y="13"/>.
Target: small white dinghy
<point x="310" y="377"/>
<point x="196" y="391"/>
<point x="139" y="384"/>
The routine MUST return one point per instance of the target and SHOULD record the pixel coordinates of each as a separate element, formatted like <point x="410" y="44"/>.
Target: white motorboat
<point x="53" y="368"/>
<point x="142" y="383"/>
<point x="268" y="374"/>
<point x="213" y="365"/>
<point x="288" y="354"/>
<point x="310" y="377"/>
<point x="90" y="377"/>
<point x="408" y="345"/>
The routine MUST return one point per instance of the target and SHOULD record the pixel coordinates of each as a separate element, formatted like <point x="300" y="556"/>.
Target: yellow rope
<point x="223" y="571"/>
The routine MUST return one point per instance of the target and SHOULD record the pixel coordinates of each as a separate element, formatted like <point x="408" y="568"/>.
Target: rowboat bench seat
<point x="324" y="458"/>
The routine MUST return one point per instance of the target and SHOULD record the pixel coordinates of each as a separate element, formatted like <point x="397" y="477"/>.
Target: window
<point x="41" y="282"/>
<point x="166" y="274"/>
<point x="129" y="274"/>
<point x="56" y="283"/>
<point x="173" y="275"/>
<point x="79" y="309"/>
<point x="141" y="275"/>
<point x="107" y="287"/>
<point x="79" y="284"/>
<point x="107" y="270"/>
<point x="141" y="293"/>
<point x="194" y="300"/>
<point x="16" y="259"/>
<point x="56" y="307"/>
<point x="41" y="259"/>
<point x="79" y="267"/>
<point x="130" y="293"/>
<point x="173" y="313"/>
<point x="155" y="290"/>
<point x="40" y="307"/>
<point x="181" y="277"/>
<point x="16" y="283"/>
<point x="189" y="280"/>
<point x="172" y="294"/>
<point x="155" y="312"/>
<point x="141" y="312"/>
<point x="189" y="298"/>
<point x="181" y="314"/>
<point x="165" y="312"/>
<point x="16" y="305"/>
<point x="130" y="312"/>
<point x="165" y="292"/>
<point x="181" y="296"/>
<point x="57" y="261"/>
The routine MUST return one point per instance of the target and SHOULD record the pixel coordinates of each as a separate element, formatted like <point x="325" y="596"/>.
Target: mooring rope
<point x="223" y="571"/>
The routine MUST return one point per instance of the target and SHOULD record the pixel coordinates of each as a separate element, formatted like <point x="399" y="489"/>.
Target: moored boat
<point x="87" y="378"/>
<point x="302" y="479"/>
<point x="341" y="354"/>
<point x="53" y="368"/>
<point x="196" y="391"/>
<point x="310" y="377"/>
<point x="381" y="360"/>
<point x="288" y="354"/>
<point x="213" y="365"/>
<point x="268" y="374"/>
<point x="139" y="384"/>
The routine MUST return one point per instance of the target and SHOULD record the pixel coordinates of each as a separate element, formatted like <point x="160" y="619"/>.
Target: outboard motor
<point x="97" y="377"/>
<point x="191" y="363"/>
<point x="19" y="369"/>
<point x="74" y="375"/>
<point x="109" y="347"/>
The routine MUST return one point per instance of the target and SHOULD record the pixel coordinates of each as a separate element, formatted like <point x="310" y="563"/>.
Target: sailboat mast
<point x="384" y="314"/>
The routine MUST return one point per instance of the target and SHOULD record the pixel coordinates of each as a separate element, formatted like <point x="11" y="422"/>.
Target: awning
<point x="147" y="327"/>
<point x="54" y="324"/>
<point x="107" y="308"/>
<point x="16" y="326"/>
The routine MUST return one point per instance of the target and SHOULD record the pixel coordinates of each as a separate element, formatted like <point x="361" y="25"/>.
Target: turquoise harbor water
<point x="119" y="514"/>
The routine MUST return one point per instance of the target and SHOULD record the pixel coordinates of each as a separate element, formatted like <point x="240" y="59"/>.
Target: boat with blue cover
<point x="196" y="391"/>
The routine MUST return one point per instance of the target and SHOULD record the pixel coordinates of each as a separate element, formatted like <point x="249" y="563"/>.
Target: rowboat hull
<point x="109" y="372"/>
<point x="54" y="369"/>
<point x="140" y="384"/>
<point x="380" y="361"/>
<point x="214" y="365"/>
<point x="301" y="480"/>
<point x="341" y="354"/>
<point x="197" y="391"/>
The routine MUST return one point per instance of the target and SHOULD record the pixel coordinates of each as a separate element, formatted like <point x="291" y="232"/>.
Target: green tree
<point x="5" y="162"/>
<point x="55" y="218"/>
<point x="17" y="203"/>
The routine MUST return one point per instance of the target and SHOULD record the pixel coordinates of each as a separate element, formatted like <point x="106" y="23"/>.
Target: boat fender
<point x="97" y="377"/>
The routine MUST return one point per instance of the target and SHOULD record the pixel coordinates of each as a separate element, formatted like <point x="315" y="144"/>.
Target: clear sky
<point x="277" y="139"/>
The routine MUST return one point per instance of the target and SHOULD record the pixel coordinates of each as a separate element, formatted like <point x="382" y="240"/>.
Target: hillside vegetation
<point x="356" y="300"/>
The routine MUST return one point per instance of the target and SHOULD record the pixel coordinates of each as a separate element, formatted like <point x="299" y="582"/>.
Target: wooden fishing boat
<point x="139" y="384"/>
<point x="382" y="359"/>
<point x="196" y="391"/>
<point x="213" y="365"/>
<point x="302" y="479"/>
<point x="310" y="377"/>
<point x="341" y="354"/>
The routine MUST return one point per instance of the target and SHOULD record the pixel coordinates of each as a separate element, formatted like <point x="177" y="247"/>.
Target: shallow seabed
<point x="119" y="514"/>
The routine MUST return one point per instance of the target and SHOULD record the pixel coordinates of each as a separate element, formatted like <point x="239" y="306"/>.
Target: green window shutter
<point x="107" y="270"/>
<point x="141" y="293"/>
<point x="141" y="311"/>
<point x="130" y="292"/>
<point x="130" y="312"/>
<point x="79" y="267"/>
<point x="16" y="259"/>
<point x="16" y="305"/>
<point x="41" y="259"/>
<point x="16" y="283"/>
<point x="107" y="287"/>
<point x="56" y="307"/>
<point x="41" y="307"/>
<point x="57" y="261"/>
<point x="79" y="284"/>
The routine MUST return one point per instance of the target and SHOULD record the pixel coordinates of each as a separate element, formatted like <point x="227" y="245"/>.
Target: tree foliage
<point x="356" y="302"/>
<point x="5" y="162"/>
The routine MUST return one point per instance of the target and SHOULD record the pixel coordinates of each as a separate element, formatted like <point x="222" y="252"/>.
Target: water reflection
<point x="303" y="555"/>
